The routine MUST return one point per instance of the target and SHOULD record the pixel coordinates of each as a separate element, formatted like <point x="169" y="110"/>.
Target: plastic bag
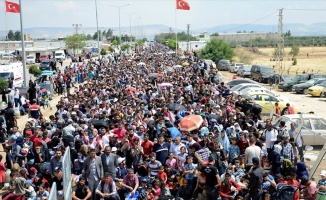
<point x="132" y="197"/>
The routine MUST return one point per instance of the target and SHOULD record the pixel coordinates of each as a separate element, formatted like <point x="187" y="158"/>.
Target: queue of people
<point x="133" y="133"/>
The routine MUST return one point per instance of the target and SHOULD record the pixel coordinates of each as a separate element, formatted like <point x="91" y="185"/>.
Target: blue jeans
<point x="17" y="101"/>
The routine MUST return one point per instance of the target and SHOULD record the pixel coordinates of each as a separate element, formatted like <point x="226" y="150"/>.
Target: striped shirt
<point x="154" y="167"/>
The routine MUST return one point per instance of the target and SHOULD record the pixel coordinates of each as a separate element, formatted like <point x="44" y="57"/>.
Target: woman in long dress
<point x="2" y="173"/>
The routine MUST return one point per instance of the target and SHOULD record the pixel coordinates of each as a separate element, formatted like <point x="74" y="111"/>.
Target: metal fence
<point x="53" y="192"/>
<point x="66" y="166"/>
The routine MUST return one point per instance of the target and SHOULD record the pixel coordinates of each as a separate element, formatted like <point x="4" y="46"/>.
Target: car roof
<point x="304" y="116"/>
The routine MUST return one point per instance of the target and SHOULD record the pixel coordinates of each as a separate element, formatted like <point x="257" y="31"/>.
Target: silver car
<point x="314" y="127"/>
<point x="244" y="71"/>
<point x="223" y="65"/>
<point x="234" y="67"/>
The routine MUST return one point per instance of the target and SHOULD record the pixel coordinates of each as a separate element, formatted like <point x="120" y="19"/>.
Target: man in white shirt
<point x="251" y="152"/>
<point x="16" y="98"/>
<point x="175" y="147"/>
<point x="270" y="135"/>
<point x="299" y="140"/>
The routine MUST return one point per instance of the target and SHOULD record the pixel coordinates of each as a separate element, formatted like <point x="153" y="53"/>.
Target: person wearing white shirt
<point x="176" y="146"/>
<point x="271" y="136"/>
<point x="299" y="140"/>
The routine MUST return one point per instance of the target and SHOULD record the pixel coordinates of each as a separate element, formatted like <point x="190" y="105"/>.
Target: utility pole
<point x="76" y="27"/>
<point x="280" y="44"/>
<point x="188" y="29"/>
<point x="170" y="30"/>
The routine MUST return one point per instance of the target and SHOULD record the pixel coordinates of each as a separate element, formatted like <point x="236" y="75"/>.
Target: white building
<point x="193" y="45"/>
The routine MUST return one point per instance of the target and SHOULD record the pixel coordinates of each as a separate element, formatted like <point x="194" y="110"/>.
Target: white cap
<point x="120" y="160"/>
<point x="114" y="149"/>
<point x="323" y="173"/>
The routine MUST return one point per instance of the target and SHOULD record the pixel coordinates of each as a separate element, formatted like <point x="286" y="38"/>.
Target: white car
<point x="30" y="60"/>
<point x="314" y="127"/>
<point x="234" y="67"/>
<point x="268" y="91"/>
<point x="238" y="88"/>
<point x="7" y="56"/>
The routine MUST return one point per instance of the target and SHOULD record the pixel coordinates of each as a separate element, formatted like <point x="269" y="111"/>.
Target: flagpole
<point x="176" y="33"/>
<point x="23" y="44"/>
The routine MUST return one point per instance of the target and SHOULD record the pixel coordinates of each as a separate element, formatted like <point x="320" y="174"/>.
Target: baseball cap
<point x="114" y="149"/>
<point x="29" y="182"/>
<point x="323" y="173"/>
<point x="57" y="168"/>
<point x="69" y="121"/>
<point x="120" y="160"/>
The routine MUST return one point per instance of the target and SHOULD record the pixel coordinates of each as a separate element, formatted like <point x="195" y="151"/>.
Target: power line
<point x="250" y="22"/>
<point x="304" y="9"/>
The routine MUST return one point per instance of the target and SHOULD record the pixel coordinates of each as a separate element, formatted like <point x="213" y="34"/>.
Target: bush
<point x="35" y="70"/>
<point x="103" y="52"/>
<point x="111" y="49"/>
<point x="4" y="84"/>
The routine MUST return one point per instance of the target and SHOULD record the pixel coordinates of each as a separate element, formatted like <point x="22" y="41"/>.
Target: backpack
<point x="284" y="192"/>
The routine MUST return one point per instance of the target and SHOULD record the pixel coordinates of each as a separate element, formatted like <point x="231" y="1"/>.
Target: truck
<point x="59" y="55"/>
<point x="14" y="71"/>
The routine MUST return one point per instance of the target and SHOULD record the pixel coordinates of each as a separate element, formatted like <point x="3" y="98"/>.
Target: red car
<point x="43" y="58"/>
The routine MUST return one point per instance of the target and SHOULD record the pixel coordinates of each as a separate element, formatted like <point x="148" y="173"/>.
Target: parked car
<point x="210" y="63"/>
<point x="261" y="73"/>
<point x="46" y="65"/>
<point x="259" y="89"/>
<point x="243" y="86"/>
<point x="223" y="65"/>
<point x="314" y="127"/>
<point x="235" y="82"/>
<point x="317" y="90"/>
<point x="244" y="71"/>
<point x="7" y="56"/>
<point x="234" y="67"/>
<point x="267" y="101"/>
<point x="302" y="88"/>
<point x="30" y="60"/>
<point x="277" y="78"/>
<point x="287" y="84"/>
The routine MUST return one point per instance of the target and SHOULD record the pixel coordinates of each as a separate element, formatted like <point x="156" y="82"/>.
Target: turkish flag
<point x="182" y="5"/>
<point x="12" y="7"/>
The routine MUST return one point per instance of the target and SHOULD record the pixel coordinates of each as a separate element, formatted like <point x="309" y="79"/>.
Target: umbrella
<point x="132" y="89"/>
<point x="174" y="132"/>
<point x="190" y="123"/>
<point x="177" y="66"/>
<point x="166" y="85"/>
<point x="47" y="73"/>
<point x="175" y="106"/>
<point x="185" y="64"/>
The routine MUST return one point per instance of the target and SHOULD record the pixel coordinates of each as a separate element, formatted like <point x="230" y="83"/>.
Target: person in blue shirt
<point x="161" y="149"/>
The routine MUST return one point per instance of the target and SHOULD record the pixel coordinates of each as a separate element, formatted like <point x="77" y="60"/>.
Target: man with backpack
<point x="270" y="135"/>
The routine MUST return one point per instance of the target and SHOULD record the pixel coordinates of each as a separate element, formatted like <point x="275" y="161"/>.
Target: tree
<point x="35" y="70"/>
<point x="294" y="51"/>
<point x="17" y="36"/>
<point x="109" y="33"/>
<point x="103" y="52"/>
<point x="215" y="34"/>
<point x="278" y="53"/>
<point x="10" y="36"/>
<point x="75" y="41"/>
<point x="216" y="50"/>
<point x="125" y="47"/>
<point x="4" y="84"/>
<point x="89" y="37"/>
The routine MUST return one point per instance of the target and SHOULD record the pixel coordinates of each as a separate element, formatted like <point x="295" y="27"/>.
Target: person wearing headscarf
<point x="276" y="159"/>
<point x="225" y="142"/>
<point x="301" y="170"/>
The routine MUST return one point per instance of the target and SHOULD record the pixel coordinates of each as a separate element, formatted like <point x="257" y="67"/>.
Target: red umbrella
<point x="132" y="89"/>
<point x="190" y="123"/>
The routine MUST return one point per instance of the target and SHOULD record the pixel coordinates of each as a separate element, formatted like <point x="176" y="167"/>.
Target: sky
<point x="203" y="13"/>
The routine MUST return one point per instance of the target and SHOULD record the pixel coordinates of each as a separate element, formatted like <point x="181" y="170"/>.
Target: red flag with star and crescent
<point x="12" y="7"/>
<point x="182" y="5"/>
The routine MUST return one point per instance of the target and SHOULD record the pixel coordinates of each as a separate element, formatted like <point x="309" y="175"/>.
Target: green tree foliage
<point x="215" y="34"/>
<point x="294" y="51"/>
<point x="278" y="53"/>
<point x="115" y="40"/>
<point x="103" y="52"/>
<point x="96" y="35"/>
<point x="109" y="33"/>
<point x="89" y="37"/>
<point x="161" y="38"/>
<point x="4" y="84"/>
<point x="111" y="49"/>
<point x="75" y="42"/>
<point x="125" y="47"/>
<point x="33" y="69"/>
<point x="10" y="35"/>
<point x="172" y="44"/>
<point x="216" y="50"/>
<point x="288" y="33"/>
<point x="17" y="36"/>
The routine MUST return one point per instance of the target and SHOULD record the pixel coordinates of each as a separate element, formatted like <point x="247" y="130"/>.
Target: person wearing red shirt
<point x="36" y="139"/>
<point x="242" y="143"/>
<point x="147" y="145"/>
<point x="225" y="190"/>
<point x="120" y="132"/>
<point x="290" y="109"/>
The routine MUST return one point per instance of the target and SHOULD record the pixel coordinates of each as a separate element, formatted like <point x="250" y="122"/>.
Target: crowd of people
<point x="131" y="128"/>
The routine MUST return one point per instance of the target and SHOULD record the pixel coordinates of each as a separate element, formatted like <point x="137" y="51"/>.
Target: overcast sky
<point x="203" y="13"/>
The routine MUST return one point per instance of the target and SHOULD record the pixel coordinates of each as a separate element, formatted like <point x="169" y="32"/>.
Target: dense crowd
<point x="154" y="125"/>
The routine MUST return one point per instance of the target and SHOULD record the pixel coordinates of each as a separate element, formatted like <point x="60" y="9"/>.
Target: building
<point x="202" y="37"/>
<point x="244" y="37"/>
<point x="193" y="45"/>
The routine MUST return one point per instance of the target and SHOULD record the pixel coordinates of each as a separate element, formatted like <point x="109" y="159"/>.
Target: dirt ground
<point x="310" y="59"/>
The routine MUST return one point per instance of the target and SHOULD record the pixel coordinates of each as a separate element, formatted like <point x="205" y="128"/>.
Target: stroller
<point x="284" y="192"/>
<point x="44" y="97"/>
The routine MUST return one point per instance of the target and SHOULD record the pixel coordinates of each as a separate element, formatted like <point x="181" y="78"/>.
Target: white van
<point x="60" y="55"/>
<point x="14" y="71"/>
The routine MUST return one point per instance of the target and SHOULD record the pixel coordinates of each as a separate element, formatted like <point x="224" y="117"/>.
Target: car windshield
<point x="58" y="54"/>
<point x="239" y="64"/>
<point x="225" y="61"/>
<point x="312" y="81"/>
<point x="46" y="62"/>
<point x="267" y="70"/>
<point x="323" y="84"/>
<point x="44" y="56"/>
<point x="30" y="57"/>
<point x="247" y="68"/>
<point x="4" y="75"/>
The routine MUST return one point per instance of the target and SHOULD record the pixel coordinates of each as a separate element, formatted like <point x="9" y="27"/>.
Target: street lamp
<point x="119" y="20"/>
<point x="130" y="14"/>
<point x="98" y="38"/>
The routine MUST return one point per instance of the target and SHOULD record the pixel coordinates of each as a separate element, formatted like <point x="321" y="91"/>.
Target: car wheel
<point x="305" y="91"/>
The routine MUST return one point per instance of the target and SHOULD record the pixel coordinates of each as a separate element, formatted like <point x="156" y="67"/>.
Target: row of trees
<point x="182" y="36"/>
<point x="14" y="36"/>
